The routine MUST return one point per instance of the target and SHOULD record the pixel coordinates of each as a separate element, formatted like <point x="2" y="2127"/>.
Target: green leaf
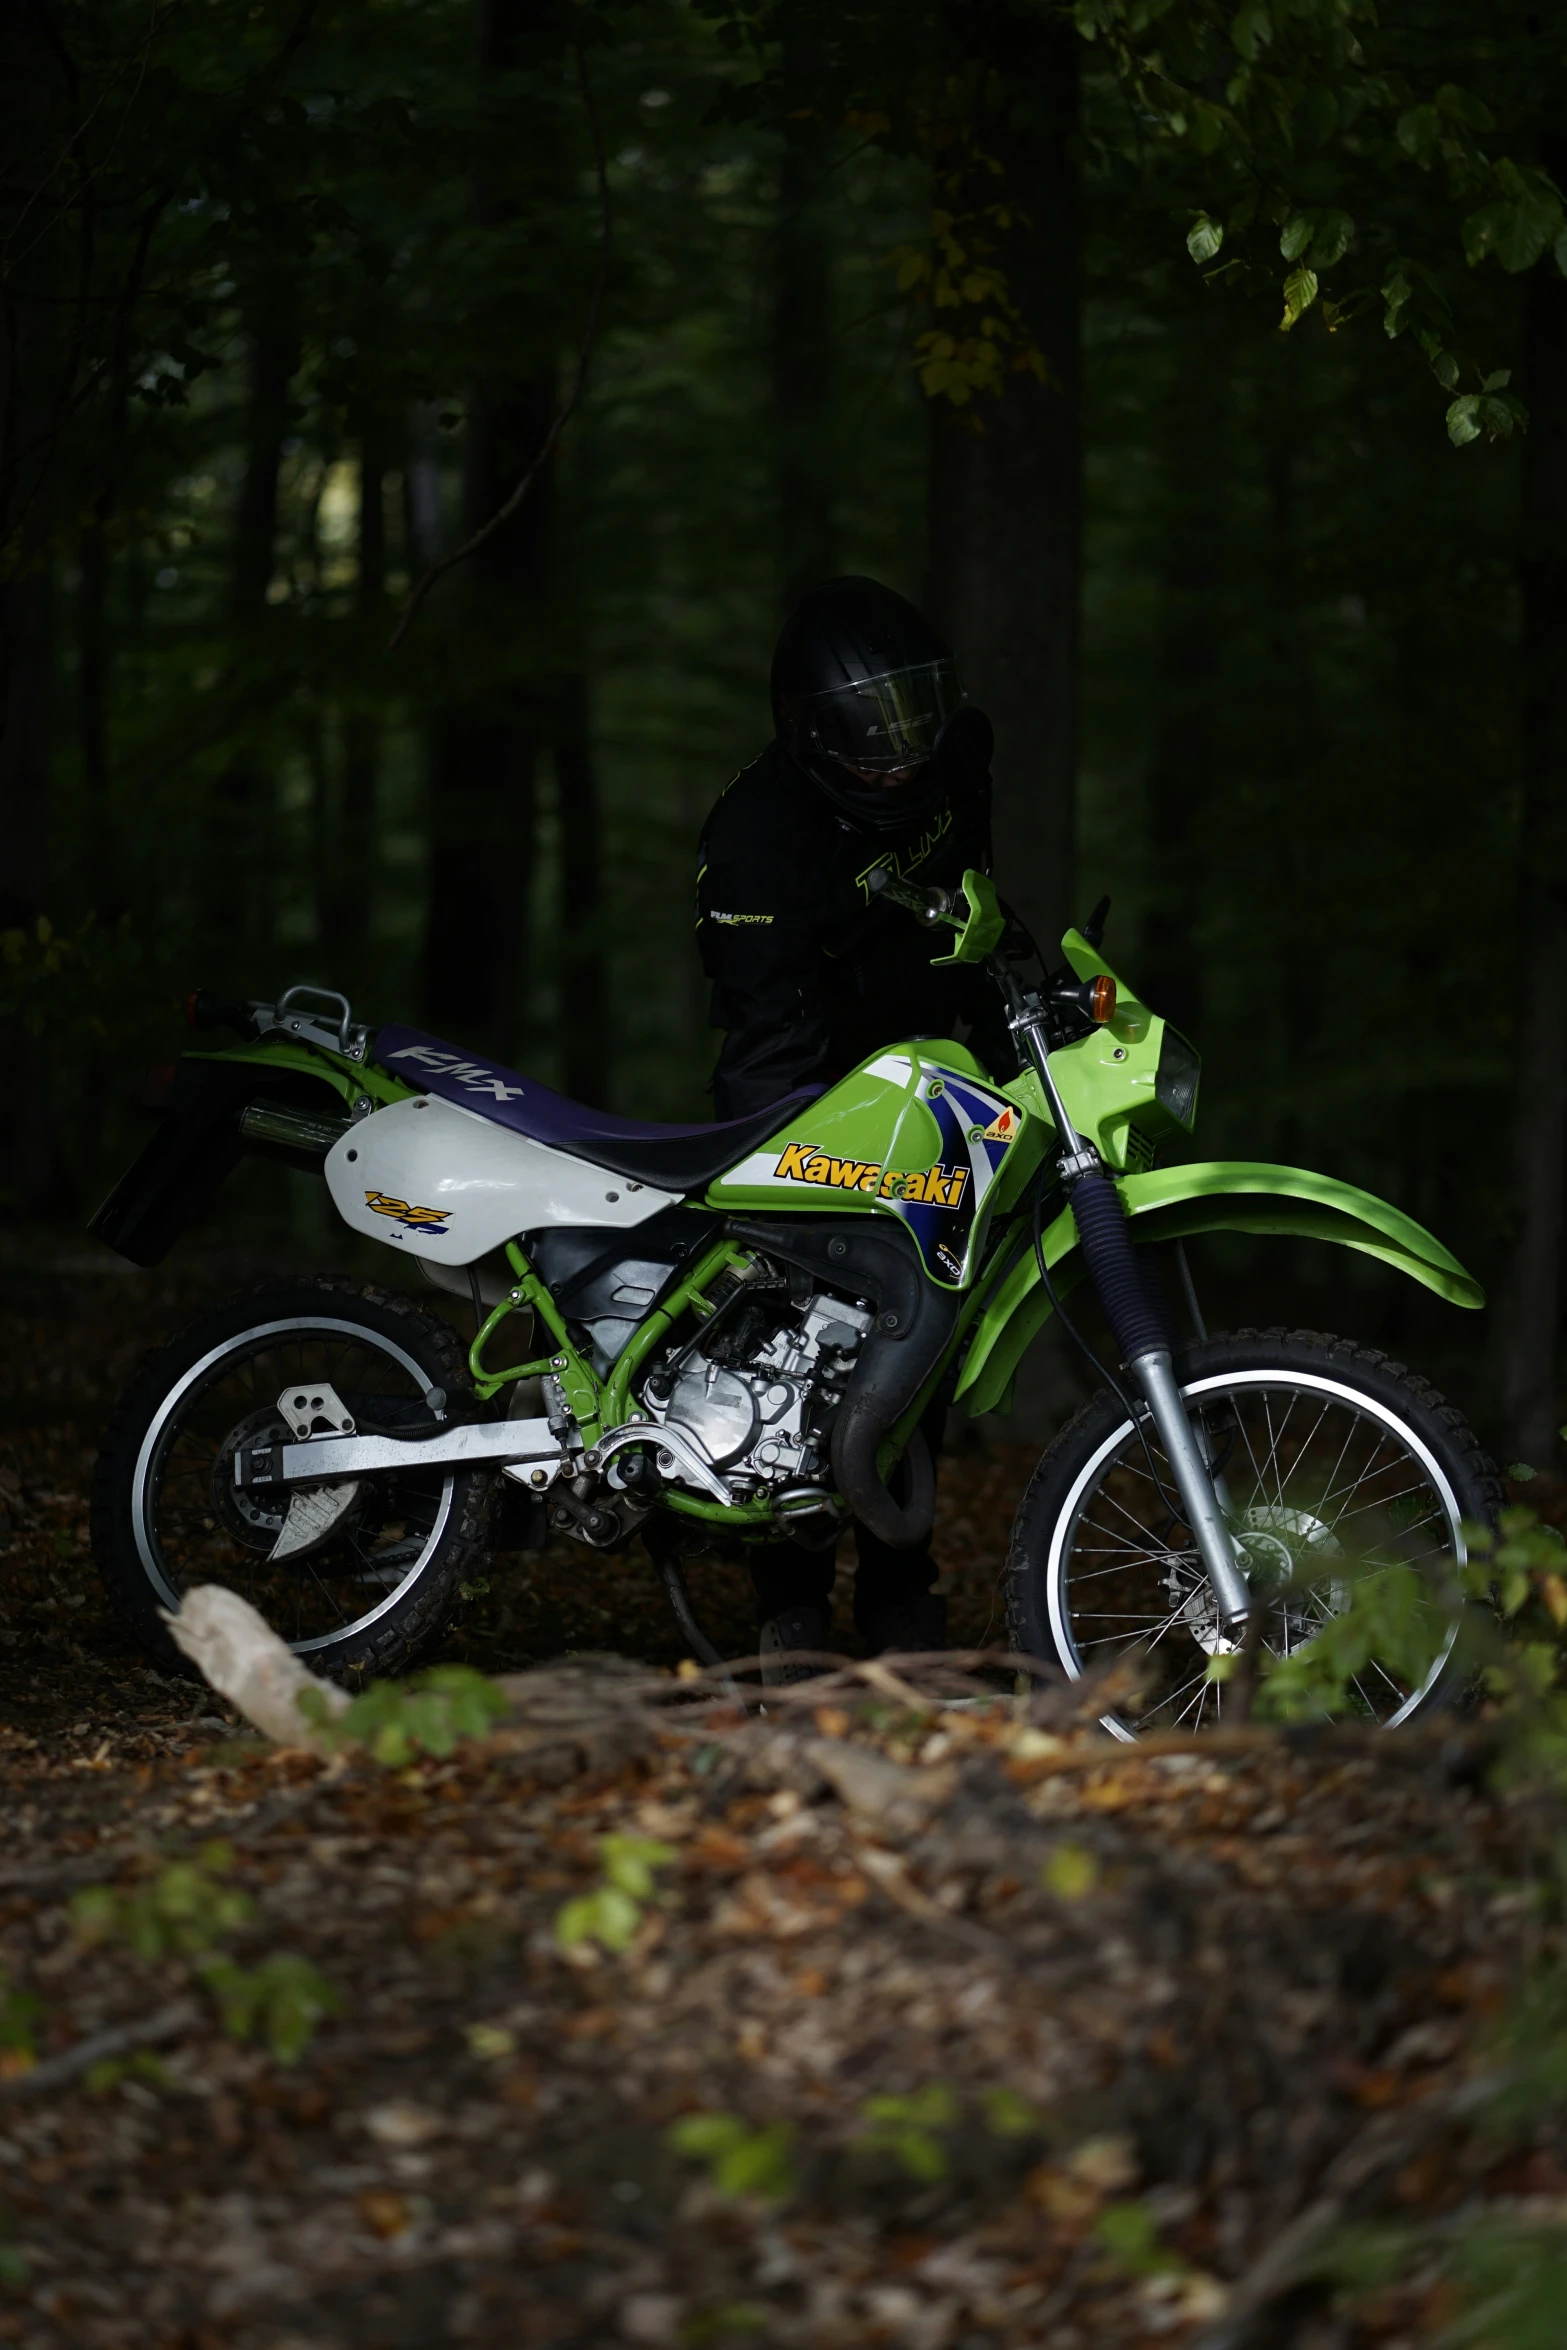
<point x="1498" y="381"/>
<point x="742" y="2161"/>
<point x="607" y="1916"/>
<point x="1398" y="294"/>
<point x="1524" y="223"/>
<point x="1522" y="1474"/>
<point x="1069" y="1873"/>
<point x="1130" y="2234"/>
<point x="629" y="1862"/>
<point x="1007" y="2115"/>
<point x="284" y="1998"/>
<point x="1461" y="421"/>
<point x="1462" y="106"/>
<point x="1417" y="133"/>
<point x="1300" y="291"/>
<point x="1331" y="232"/>
<point x="1208" y="127"/>
<point x="1296" y="236"/>
<point x="1251" y="28"/>
<point x="1204" y="238"/>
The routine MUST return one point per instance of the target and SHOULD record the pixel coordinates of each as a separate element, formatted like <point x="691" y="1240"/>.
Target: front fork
<point x="1138" y="1321"/>
<point x="1201" y="1492"/>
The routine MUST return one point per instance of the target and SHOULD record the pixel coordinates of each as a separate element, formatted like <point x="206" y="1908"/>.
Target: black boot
<point x="792" y="1628"/>
<point x="907" y="1627"/>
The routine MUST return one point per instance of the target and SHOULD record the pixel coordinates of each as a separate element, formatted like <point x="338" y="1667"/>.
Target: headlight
<point x="1175" y="1087"/>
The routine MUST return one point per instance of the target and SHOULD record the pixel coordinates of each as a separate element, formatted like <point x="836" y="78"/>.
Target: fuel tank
<point x="918" y="1132"/>
<point x="444" y="1183"/>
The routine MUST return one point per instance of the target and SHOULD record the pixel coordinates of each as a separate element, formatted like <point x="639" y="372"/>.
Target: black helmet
<point x="862" y="686"/>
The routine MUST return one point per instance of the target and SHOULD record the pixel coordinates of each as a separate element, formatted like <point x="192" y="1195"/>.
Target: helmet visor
<point x="879" y="725"/>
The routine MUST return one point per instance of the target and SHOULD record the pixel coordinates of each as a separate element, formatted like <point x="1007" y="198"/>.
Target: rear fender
<point x="1174" y="1203"/>
<point x="197" y="1142"/>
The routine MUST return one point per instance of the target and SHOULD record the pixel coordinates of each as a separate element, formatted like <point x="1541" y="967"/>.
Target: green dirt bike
<point x="736" y="1329"/>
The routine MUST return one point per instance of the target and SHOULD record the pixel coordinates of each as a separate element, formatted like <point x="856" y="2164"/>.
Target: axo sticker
<point x="1003" y="1128"/>
<point x="938" y="1186"/>
<point x="430" y="1220"/>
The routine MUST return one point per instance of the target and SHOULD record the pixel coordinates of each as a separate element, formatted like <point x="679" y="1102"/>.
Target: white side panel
<point x="447" y="1184"/>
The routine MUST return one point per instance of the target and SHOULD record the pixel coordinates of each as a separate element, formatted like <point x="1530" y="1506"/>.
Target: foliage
<point x="907" y="2128"/>
<point x="187" y="1911"/>
<point x="740" y="2160"/>
<point x="1130" y="2234"/>
<point x="183" y="1911"/>
<point x="20" y="2013"/>
<point x="1287" y="106"/>
<point x="611" y="1914"/>
<point x="1387" y="1612"/>
<point x="1070" y="1872"/>
<point x="281" y="2001"/>
<point x="395" y="1722"/>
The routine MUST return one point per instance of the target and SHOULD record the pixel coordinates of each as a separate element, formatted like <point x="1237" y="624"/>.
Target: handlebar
<point x="929" y="905"/>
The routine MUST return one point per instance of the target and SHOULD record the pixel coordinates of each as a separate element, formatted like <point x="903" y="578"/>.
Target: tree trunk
<point x="802" y="347"/>
<point x="237" y="852"/>
<point x="1534" y="1319"/>
<point x="92" y="654"/>
<point x="1181" y="762"/>
<point x="581" y="859"/>
<point x="26" y="349"/>
<point x="346" y="887"/>
<point x="1006" y="499"/>
<point x="29" y="123"/>
<point x="485" y="751"/>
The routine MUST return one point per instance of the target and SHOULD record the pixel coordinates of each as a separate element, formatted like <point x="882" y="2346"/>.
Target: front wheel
<point x="1332" y="1459"/>
<point x="379" y="1572"/>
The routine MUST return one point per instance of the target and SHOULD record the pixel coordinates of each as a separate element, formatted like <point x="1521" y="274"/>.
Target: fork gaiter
<point x="1121" y="1280"/>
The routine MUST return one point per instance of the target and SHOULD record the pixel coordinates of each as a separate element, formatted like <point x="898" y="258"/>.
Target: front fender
<point x="1173" y="1203"/>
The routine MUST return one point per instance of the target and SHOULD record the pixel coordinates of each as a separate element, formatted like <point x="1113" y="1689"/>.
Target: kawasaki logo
<point x="938" y="1186"/>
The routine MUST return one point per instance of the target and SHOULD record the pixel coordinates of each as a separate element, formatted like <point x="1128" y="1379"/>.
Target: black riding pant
<point x="786" y="1574"/>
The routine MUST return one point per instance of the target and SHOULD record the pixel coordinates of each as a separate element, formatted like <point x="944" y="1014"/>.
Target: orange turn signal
<point x="1101" y="998"/>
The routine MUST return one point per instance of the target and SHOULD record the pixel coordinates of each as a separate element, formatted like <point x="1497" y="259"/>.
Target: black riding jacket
<point x="810" y="973"/>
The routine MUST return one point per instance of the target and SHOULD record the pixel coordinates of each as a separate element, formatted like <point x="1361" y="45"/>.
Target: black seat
<point x="689" y="1161"/>
<point x="671" y="1158"/>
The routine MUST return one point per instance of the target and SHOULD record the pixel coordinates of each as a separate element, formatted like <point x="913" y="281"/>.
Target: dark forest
<point x="418" y="419"/>
<point x="1204" y="376"/>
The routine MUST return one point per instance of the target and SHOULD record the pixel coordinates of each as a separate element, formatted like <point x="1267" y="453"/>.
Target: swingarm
<point x="523" y="1449"/>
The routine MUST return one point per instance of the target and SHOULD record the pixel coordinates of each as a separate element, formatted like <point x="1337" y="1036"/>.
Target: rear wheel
<point x="381" y="1568"/>
<point x="1333" y="1458"/>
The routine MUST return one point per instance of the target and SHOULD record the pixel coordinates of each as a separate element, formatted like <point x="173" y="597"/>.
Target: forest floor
<point x="934" y="2025"/>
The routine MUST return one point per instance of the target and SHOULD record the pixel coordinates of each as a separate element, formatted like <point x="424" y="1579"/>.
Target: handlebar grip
<point x="929" y="905"/>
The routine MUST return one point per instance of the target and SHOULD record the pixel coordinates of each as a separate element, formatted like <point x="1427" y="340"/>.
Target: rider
<point x="877" y="761"/>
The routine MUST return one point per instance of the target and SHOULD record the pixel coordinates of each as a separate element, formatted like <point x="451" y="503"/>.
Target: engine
<point x="754" y="1393"/>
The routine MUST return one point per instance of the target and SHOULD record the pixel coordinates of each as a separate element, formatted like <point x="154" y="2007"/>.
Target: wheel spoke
<point x="1323" y="1467"/>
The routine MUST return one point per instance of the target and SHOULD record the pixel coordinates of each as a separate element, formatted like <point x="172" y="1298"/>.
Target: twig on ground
<point x="148" y="2031"/>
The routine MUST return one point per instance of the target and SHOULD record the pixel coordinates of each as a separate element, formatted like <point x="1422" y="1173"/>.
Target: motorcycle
<point x="737" y="1330"/>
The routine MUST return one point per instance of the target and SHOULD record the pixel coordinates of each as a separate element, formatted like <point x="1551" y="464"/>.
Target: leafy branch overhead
<point x="1300" y="147"/>
<point x="1322" y="100"/>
